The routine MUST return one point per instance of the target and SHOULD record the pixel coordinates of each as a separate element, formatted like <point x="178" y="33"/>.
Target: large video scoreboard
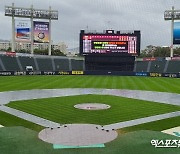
<point x="110" y="42"/>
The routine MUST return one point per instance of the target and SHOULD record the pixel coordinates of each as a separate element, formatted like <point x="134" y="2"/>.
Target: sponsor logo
<point x="77" y="72"/>
<point x="165" y="143"/>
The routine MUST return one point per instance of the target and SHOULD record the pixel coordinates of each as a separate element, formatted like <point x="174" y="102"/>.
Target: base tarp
<point x="173" y="131"/>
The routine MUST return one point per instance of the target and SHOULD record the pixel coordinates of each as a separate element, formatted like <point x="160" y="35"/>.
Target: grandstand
<point x="158" y="66"/>
<point x="141" y="66"/>
<point x="173" y="66"/>
<point x="19" y="62"/>
<point x="27" y="61"/>
<point x="62" y="64"/>
<point x="10" y="64"/>
<point x="77" y="64"/>
<point x="39" y="63"/>
<point x="44" y="64"/>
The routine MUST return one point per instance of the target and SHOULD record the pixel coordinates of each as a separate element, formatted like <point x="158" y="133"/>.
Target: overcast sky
<point x="74" y="15"/>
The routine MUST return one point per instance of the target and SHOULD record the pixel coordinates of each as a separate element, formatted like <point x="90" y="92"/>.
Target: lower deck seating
<point x="141" y="66"/>
<point x="44" y="64"/>
<point x="173" y="67"/>
<point x="10" y="63"/>
<point x="27" y="61"/>
<point x="157" y="66"/>
<point x="77" y="64"/>
<point x="61" y="64"/>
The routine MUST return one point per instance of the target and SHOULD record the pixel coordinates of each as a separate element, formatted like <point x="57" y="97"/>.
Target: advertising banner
<point x="22" y="30"/>
<point x="149" y="59"/>
<point x="176" y="36"/>
<point x="41" y="32"/>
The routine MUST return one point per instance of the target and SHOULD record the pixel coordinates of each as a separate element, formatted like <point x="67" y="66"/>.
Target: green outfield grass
<point x="10" y="120"/>
<point x="61" y="109"/>
<point x="112" y="82"/>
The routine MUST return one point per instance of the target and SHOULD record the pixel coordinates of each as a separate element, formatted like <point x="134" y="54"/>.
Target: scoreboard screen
<point x="110" y="43"/>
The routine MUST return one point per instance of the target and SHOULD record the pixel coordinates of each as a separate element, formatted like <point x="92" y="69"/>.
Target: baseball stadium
<point x="105" y="100"/>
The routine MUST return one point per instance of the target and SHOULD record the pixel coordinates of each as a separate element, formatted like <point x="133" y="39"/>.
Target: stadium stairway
<point x="10" y="63"/>
<point x="2" y="68"/>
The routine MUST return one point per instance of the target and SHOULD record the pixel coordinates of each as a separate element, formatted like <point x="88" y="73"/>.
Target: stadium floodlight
<point x="172" y="15"/>
<point x="31" y="13"/>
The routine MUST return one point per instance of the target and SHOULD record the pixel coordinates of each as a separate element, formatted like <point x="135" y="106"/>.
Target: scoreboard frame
<point x="109" y="33"/>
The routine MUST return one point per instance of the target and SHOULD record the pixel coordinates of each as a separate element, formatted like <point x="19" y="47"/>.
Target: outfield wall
<point x="117" y="73"/>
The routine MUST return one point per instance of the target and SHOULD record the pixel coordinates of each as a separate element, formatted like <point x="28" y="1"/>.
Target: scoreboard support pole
<point x="32" y="33"/>
<point x="172" y="33"/>
<point x="13" y="31"/>
<point x="49" y="51"/>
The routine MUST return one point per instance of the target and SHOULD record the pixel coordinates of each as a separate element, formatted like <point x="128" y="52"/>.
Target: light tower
<point x="172" y="15"/>
<point x="31" y="13"/>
